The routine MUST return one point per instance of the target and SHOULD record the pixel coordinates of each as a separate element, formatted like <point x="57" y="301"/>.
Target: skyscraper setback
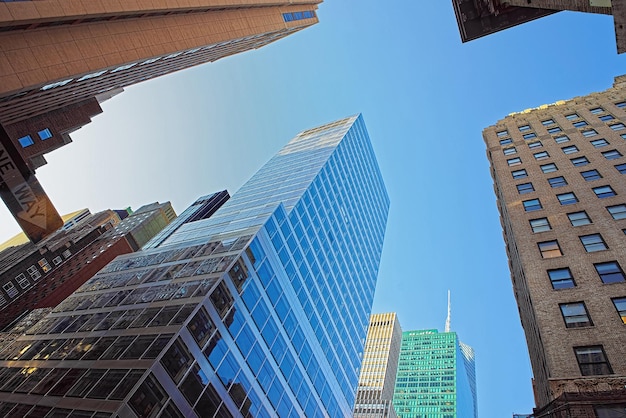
<point x="259" y="310"/>
<point x="558" y="174"/>
<point x="62" y="58"/>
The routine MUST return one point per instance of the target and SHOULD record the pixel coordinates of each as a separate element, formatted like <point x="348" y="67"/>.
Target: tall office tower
<point x="42" y="275"/>
<point x="436" y="376"/>
<point x="558" y="174"/>
<point x="478" y="18"/>
<point x="260" y="310"/>
<point x="62" y="58"/>
<point x="378" y="371"/>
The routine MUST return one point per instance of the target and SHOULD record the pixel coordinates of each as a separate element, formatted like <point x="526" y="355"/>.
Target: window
<point x="532" y="205"/>
<point x="549" y="168"/>
<point x="620" y="305"/>
<point x="549" y="249"/>
<point x="567" y="198"/>
<point x="34" y="273"/>
<point x="617" y="211"/>
<point x="591" y="175"/>
<point x="547" y="122"/>
<point x="603" y="191"/>
<point x="506" y="141"/>
<point x="557" y="182"/>
<point x="593" y="243"/>
<point x="610" y="272"/>
<point x="610" y="411"/>
<point x="26" y="141"/>
<point x="621" y="168"/>
<point x="530" y="135"/>
<point x="57" y="260"/>
<point x="519" y="174"/>
<point x="592" y="360"/>
<point x="570" y="149"/>
<point x="43" y="263"/>
<point x="10" y="289"/>
<point x="524" y="128"/>
<point x="579" y="218"/>
<point x="92" y="75"/>
<point x="617" y="126"/>
<point x="509" y="151"/>
<point x="620" y="104"/>
<point x="514" y="161"/>
<point x="22" y="281"/>
<point x="150" y="61"/>
<point x="502" y="133"/>
<point x="56" y="84"/>
<point x="541" y="155"/>
<point x="580" y="124"/>
<point x="554" y="130"/>
<point x="572" y="116"/>
<point x="66" y="253"/>
<point x="535" y="145"/>
<point x="575" y="315"/>
<point x="579" y="161"/>
<point x="540" y="225"/>
<point x="525" y="188"/>
<point x="561" y="139"/>
<point x="307" y="14"/>
<point x="44" y="134"/>
<point x="599" y="143"/>
<point x="127" y="66"/>
<point x="561" y="278"/>
<point x="612" y="154"/>
<point x="596" y="110"/>
<point x="589" y="132"/>
<point x="607" y="117"/>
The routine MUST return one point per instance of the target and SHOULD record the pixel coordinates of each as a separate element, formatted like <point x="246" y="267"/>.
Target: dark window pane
<point x="176" y="360"/>
<point x="106" y="385"/>
<point x="126" y="385"/>
<point x="148" y="400"/>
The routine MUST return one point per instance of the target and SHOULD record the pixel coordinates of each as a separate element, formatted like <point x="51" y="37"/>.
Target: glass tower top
<point x="260" y="310"/>
<point x="436" y="376"/>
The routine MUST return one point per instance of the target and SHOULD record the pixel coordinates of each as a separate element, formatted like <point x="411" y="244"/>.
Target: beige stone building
<point x="377" y="378"/>
<point x="558" y="174"/>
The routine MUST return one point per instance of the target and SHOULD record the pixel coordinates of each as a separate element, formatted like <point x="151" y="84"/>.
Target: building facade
<point x="44" y="274"/>
<point x="62" y="58"/>
<point x="260" y="310"/>
<point x="436" y="376"/>
<point x="558" y="174"/>
<point x="477" y="18"/>
<point x="374" y="397"/>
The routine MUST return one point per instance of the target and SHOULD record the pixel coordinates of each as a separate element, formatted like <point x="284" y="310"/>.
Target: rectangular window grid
<point x="592" y="360"/>
<point x="575" y="315"/>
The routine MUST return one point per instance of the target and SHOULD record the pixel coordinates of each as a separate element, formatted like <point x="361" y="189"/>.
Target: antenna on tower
<point x="447" y="329"/>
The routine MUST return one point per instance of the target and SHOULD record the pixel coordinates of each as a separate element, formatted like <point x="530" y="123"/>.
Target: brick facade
<point x="554" y="129"/>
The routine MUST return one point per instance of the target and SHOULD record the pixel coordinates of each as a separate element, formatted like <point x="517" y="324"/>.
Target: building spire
<point x="447" y="329"/>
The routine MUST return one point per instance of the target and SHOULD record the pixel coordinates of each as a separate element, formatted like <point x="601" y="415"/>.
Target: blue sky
<point x="425" y="98"/>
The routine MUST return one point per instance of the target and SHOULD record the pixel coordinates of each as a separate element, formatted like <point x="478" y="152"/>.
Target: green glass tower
<point x="436" y="376"/>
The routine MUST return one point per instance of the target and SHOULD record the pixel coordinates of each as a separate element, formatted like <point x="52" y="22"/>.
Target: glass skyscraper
<point x="260" y="310"/>
<point x="436" y="376"/>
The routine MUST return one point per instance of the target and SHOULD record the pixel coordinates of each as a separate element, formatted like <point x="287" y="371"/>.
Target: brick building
<point x="477" y="18"/>
<point x="59" y="59"/>
<point x="44" y="274"/>
<point x="558" y="174"/>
